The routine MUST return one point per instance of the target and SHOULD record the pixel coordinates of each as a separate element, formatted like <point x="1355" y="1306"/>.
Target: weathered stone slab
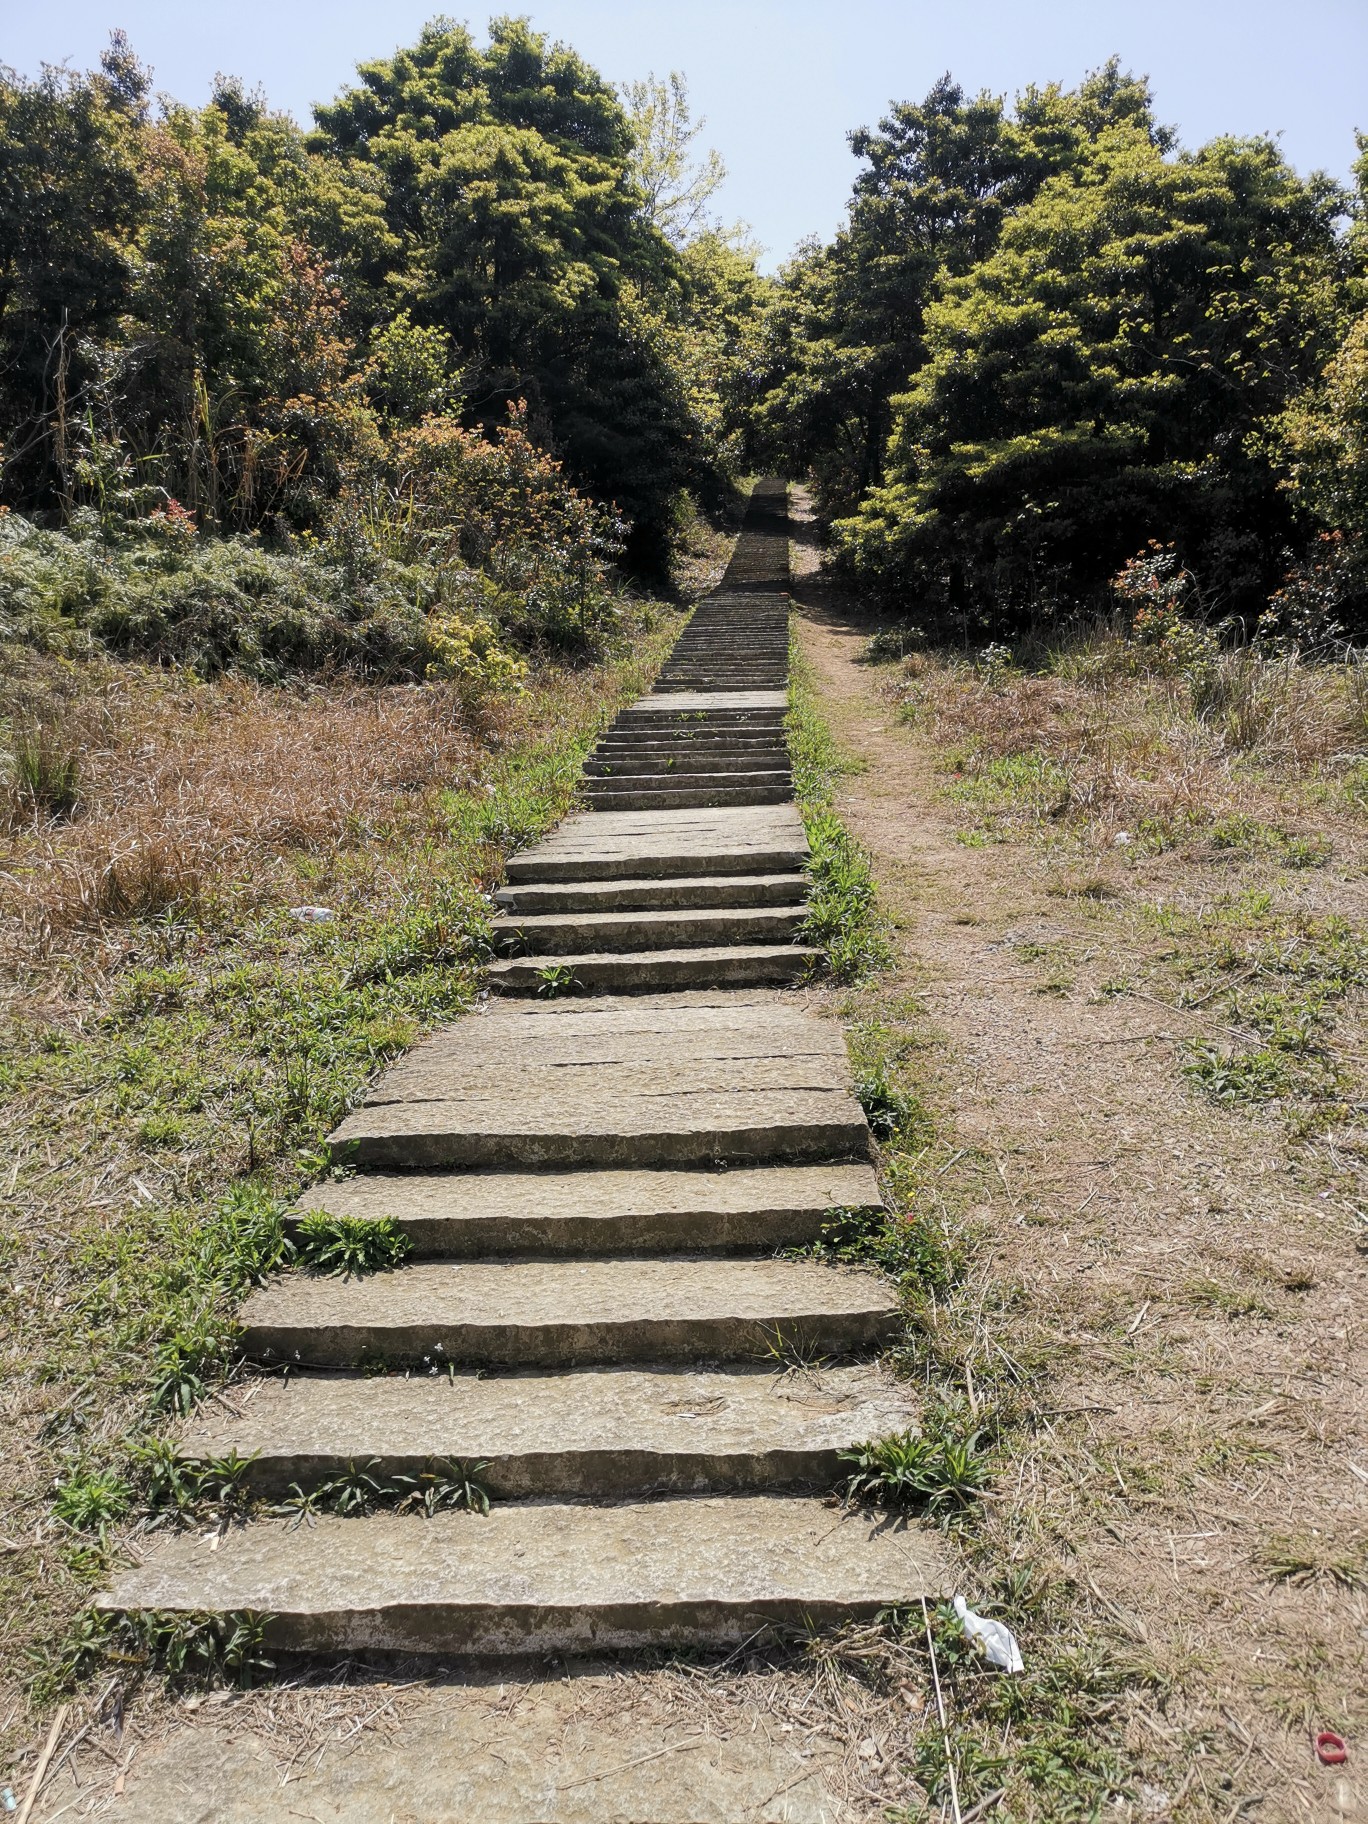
<point x="731" y="701"/>
<point x="563" y="1313"/>
<point x="539" y="1578"/>
<point x="675" y="928"/>
<point x="466" y="1215"/>
<point x="655" y="895"/>
<point x="601" y="845"/>
<point x="674" y="796"/>
<point x="650" y="971"/>
<point x="609" y="1433"/>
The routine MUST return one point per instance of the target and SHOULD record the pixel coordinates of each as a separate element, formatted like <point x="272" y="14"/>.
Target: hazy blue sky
<point x="782" y="83"/>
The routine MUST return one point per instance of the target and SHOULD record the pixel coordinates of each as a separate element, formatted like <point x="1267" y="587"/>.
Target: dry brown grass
<point x="1179" y="1281"/>
<point x="187" y="788"/>
<point x="1118" y="750"/>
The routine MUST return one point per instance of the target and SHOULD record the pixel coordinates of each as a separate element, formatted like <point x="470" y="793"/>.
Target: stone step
<point x="733" y="702"/>
<point x="656" y="895"/>
<point x="560" y="933"/>
<point x="538" y="1578"/>
<point x="674" y="763"/>
<point x="713" y="1078"/>
<point x="467" y="1215"/>
<point x="655" y="783"/>
<point x="604" y="1433"/>
<point x="656" y="971"/>
<point x="692" y="680"/>
<point x="684" y="743"/>
<point x="683" y="798"/>
<point x="635" y="845"/>
<point x="662" y="727"/>
<point x="568" y="1313"/>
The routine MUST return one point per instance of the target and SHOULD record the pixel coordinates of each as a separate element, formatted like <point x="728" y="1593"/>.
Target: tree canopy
<point x="1047" y="334"/>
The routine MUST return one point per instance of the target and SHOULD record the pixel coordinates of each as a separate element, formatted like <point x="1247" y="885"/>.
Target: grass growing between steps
<point x="166" y="1081"/>
<point x="843" y="916"/>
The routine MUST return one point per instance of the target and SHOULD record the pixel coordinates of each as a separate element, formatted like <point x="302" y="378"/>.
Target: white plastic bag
<point x="993" y="1639"/>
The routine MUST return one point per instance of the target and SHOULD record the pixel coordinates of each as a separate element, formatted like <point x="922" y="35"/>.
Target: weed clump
<point x="441" y="1484"/>
<point x="936" y="1473"/>
<point x="349" y="1246"/>
<point x="45" y="774"/>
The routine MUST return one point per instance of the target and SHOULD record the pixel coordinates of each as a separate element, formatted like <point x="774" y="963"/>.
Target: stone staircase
<point x="596" y="1173"/>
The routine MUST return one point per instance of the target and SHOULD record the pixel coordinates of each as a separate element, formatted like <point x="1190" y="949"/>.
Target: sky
<point x="781" y="82"/>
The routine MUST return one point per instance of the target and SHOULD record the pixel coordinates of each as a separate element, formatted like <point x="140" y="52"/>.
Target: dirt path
<point x="1179" y="1273"/>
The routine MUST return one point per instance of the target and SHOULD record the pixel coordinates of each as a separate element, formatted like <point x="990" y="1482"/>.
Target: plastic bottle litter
<point x="996" y="1642"/>
<point x="312" y="915"/>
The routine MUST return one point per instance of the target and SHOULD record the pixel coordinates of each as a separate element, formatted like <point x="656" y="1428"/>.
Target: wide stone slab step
<point x="680" y="798"/>
<point x="655" y="971"/>
<point x="480" y="1214"/>
<point x="653" y="844"/>
<point x="701" y="746"/>
<point x="650" y="776"/>
<point x="561" y="932"/>
<point x="732" y="702"/>
<point x="707" y="890"/>
<point x="605" y="1433"/>
<point x="537" y="1578"/>
<point x="565" y="1313"/>
<point x="672" y="762"/>
<point x="739" y="1078"/>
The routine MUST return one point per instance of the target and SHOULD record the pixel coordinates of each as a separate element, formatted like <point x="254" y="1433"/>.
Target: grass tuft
<point x="349" y="1246"/>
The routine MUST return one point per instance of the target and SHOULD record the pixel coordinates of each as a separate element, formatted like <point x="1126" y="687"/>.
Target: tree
<point x="677" y="190"/>
<point x="941" y="177"/>
<point x="1104" y="377"/>
<point x="505" y="176"/>
<point x="69" y="202"/>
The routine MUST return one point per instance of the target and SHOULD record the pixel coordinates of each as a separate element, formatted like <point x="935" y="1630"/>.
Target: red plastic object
<point x="1331" y="1749"/>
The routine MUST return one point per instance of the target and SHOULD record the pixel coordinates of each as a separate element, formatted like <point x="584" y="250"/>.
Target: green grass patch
<point x="843" y="917"/>
<point x="1279" y="977"/>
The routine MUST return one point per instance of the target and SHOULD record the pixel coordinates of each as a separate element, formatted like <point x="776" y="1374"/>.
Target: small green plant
<point x="907" y="1469"/>
<point x="557" y="979"/>
<point x="790" y="1350"/>
<point x="444" y="1483"/>
<point x="1228" y="1075"/>
<point x="911" y="1248"/>
<point x="887" y="1108"/>
<point x="350" y="1246"/>
<point x="45" y="774"/>
<point x="191" y="1647"/>
<point x="995" y="665"/>
<point x="90" y="1502"/>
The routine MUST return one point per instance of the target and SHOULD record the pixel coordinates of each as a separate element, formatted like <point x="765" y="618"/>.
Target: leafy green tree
<point x="676" y="188"/>
<point x="1105" y="376"/>
<point x="69" y="201"/>
<point x="940" y="178"/>
<point x="506" y="176"/>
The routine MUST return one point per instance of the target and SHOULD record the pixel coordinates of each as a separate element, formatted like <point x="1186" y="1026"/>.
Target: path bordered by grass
<point x="158" y="1138"/>
<point x="1045" y="1741"/>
